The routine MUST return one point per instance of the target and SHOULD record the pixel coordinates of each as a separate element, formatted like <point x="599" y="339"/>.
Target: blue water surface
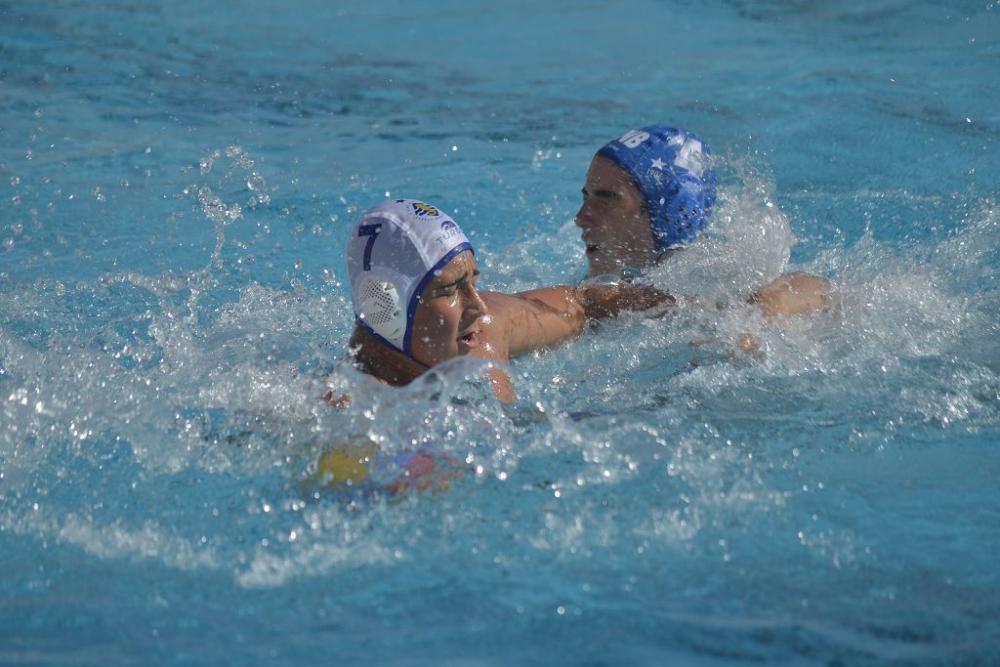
<point x="177" y="182"/>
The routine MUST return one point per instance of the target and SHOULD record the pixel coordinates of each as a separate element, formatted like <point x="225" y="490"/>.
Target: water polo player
<point x="414" y="287"/>
<point x="648" y="194"/>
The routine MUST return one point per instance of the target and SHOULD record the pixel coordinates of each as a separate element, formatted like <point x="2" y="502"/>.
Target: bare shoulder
<point x="805" y="282"/>
<point x="558" y="298"/>
<point x="537" y="319"/>
<point x="794" y="294"/>
<point x="545" y="307"/>
<point x="498" y="301"/>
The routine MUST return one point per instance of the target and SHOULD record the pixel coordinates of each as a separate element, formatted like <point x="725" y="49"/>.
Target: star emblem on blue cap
<point x="659" y="164"/>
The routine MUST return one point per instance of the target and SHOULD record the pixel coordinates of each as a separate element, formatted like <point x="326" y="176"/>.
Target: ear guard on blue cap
<point x="673" y="171"/>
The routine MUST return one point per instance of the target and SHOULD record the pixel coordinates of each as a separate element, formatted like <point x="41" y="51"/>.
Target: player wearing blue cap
<point x="646" y="193"/>
<point x="649" y="193"/>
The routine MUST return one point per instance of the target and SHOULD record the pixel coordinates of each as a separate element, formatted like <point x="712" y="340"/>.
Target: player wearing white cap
<point x="414" y="287"/>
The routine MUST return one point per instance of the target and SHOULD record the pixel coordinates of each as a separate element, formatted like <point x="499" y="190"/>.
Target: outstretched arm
<point x="602" y="301"/>
<point x="793" y="294"/>
<point x="546" y="317"/>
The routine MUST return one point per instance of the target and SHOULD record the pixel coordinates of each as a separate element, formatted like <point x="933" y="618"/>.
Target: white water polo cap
<point x="393" y="252"/>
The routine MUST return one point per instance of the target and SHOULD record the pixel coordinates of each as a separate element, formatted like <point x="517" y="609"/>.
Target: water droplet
<point x="256" y="182"/>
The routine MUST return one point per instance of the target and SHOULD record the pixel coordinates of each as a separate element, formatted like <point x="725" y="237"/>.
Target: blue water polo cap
<point x="393" y="252"/>
<point x="673" y="171"/>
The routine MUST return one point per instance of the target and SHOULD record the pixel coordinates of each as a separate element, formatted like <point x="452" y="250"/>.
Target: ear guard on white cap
<point x="380" y="306"/>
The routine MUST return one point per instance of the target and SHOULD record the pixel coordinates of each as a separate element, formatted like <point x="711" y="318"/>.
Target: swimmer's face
<point x="616" y="228"/>
<point x="450" y="314"/>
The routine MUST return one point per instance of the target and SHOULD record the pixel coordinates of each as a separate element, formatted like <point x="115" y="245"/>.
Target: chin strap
<point x="392" y="347"/>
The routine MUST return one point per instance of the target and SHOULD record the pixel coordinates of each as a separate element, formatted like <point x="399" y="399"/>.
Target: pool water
<point x="177" y="182"/>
